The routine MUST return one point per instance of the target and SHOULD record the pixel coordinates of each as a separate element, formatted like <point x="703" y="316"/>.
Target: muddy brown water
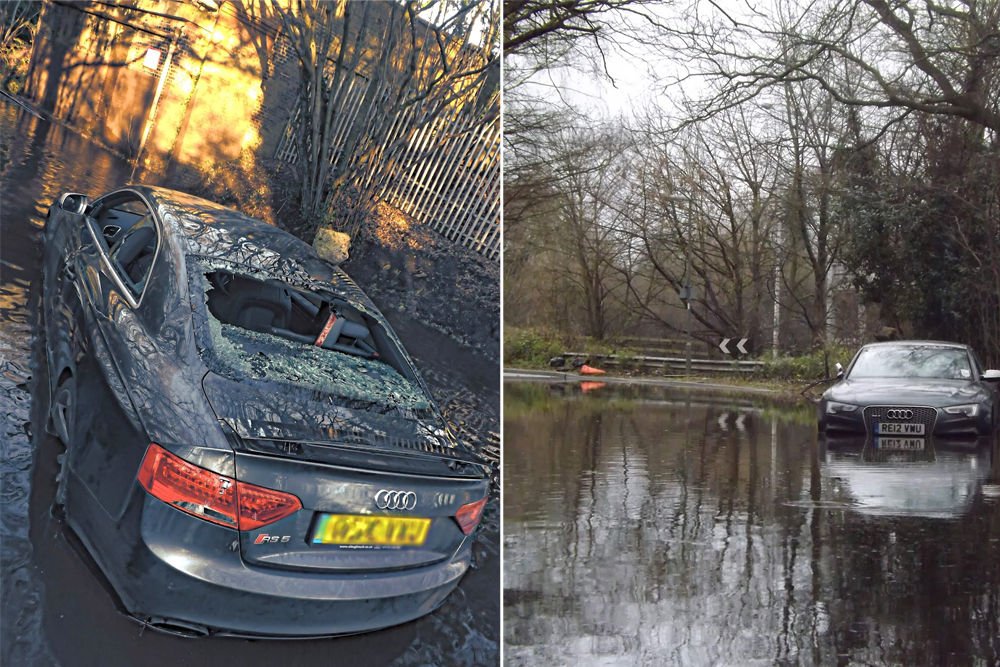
<point x="56" y="608"/>
<point x="656" y="527"/>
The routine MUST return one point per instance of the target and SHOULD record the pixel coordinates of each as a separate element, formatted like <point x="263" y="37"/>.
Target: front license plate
<point x="353" y="529"/>
<point x="898" y="428"/>
<point x="910" y="444"/>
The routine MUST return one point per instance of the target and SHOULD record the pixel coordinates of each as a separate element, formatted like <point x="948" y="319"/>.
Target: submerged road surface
<point x="56" y="608"/>
<point x="657" y="526"/>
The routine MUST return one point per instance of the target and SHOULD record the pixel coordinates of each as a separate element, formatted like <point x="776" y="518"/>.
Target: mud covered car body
<point x="917" y="389"/>
<point x="249" y="449"/>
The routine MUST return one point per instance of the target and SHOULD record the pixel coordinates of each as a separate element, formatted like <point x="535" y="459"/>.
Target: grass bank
<point x="790" y="378"/>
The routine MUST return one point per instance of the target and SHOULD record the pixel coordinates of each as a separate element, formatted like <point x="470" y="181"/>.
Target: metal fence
<point x="672" y="364"/>
<point x="445" y="173"/>
<point x="456" y="189"/>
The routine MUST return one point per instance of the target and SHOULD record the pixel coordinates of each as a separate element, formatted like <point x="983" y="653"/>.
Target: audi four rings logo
<point x="899" y="414"/>
<point x="390" y="499"/>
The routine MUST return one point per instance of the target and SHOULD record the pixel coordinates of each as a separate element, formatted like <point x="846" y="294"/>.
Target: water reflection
<point x="37" y="160"/>
<point x="917" y="477"/>
<point x="655" y="527"/>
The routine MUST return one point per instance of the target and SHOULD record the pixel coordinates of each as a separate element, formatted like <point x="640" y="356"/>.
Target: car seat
<point x="250" y="304"/>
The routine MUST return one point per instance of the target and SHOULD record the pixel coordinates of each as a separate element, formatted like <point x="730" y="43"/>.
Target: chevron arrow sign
<point x="740" y="347"/>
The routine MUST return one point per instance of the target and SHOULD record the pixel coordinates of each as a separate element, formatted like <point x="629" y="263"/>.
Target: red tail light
<point x="468" y="515"/>
<point x="260" y="506"/>
<point x="211" y="496"/>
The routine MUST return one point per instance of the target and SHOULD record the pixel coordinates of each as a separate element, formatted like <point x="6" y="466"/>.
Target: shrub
<point x="530" y="347"/>
<point x="807" y="367"/>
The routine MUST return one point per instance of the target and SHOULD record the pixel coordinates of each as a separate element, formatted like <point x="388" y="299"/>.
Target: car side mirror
<point x="74" y="202"/>
<point x="991" y="376"/>
<point x="840" y="370"/>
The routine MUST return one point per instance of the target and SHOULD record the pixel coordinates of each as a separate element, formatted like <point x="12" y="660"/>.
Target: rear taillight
<point x="211" y="496"/>
<point x="203" y="493"/>
<point x="468" y="515"/>
<point x="260" y="506"/>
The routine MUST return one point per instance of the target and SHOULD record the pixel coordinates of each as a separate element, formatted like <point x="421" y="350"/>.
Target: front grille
<point x="921" y="415"/>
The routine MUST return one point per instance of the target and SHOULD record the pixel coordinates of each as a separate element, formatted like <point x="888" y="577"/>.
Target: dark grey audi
<point x="912" y="389"/>
<point x="248" y="448"/>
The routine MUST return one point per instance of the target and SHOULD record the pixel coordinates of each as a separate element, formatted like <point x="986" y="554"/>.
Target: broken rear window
<point x="263" y="329"/>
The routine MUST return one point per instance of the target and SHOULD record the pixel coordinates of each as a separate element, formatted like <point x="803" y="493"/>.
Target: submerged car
<point x="913" y="389"/>
<point x="249" y="450"/>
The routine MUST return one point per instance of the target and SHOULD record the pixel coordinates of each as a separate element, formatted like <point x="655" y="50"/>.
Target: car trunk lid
<point x="355" y="519"/>
<point x="378" y="491"/>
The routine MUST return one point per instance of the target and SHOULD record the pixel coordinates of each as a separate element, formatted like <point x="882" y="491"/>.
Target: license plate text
<point x="371" y="530"/>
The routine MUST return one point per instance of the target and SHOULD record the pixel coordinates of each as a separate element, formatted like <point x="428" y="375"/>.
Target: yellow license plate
<point x="396" y="531"/>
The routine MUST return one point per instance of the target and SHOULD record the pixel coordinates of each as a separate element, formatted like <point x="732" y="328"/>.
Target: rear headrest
<point x="251" y="304"/>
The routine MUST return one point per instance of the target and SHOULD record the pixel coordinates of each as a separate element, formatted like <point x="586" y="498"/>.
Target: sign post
<point x="687" y="295"/>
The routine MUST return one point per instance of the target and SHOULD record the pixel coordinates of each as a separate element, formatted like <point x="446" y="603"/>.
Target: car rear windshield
<point x="927" y="361"/>
<point x="264" y="329"/>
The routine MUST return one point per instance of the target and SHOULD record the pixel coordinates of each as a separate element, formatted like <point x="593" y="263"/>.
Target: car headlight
<point x="835" y="408"/>
<point x="968" y="410"/>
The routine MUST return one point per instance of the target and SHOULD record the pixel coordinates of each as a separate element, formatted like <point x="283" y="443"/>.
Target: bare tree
<point x="18" y="25"/>
<point x="815" y="129"/>
<point x="592" y="237"/>
<point x="569" y="246"/>
<point x="542" y="37"/>
<point x="927" y="57"/>
<point x="406" y="71"/>
<point x="703" y="214"/>
<point x="553" y="26"/>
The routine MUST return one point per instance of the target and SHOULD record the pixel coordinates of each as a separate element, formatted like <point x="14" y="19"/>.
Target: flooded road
<point x="652" y="527"/>
<point x="56" y="608"/>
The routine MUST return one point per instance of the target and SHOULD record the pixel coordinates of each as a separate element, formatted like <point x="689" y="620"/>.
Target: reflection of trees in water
<point x="656" y="536"/>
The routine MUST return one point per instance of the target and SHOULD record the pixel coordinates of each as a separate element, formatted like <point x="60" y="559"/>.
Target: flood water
<point x="654" y="527"/>
<point x="56" y="608"/>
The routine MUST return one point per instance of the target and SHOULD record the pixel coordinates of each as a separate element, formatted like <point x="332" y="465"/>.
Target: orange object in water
<point x="590" y="370"/>
<point x="586" y="385"/>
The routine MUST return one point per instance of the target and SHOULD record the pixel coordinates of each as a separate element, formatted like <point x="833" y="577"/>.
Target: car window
<point x="115" y="216"/>
<point x="266" y="329"/>
<point x="912" y="362"/>
<point x="128" y="228"/>
<point x="977" y="363"/>
<point x="132" y="256"/>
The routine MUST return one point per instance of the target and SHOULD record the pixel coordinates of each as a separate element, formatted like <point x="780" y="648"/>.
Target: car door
<point x="63" y="277"/>
<point x="992" y="387"/>
<point x="113" y="280"/>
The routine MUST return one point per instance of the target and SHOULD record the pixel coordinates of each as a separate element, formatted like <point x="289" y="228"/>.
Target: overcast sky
<point x="639" y="70"/>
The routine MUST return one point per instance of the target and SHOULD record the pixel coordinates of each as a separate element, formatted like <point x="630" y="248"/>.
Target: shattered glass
<point x="261" y="356"/>
<point x="240" y="354"/>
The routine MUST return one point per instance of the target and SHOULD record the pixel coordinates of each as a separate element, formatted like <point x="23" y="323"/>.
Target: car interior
<point x="130" y="234"/>
<point x="135" y="250"/>
<point x="274" y="308"/>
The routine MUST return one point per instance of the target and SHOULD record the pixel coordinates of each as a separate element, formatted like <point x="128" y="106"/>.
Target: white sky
<point x="635" y="85"/>
<point x="595" y="95"/>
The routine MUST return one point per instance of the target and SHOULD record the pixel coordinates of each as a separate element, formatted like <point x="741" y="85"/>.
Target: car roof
<point x="918" y="343"/>
<point x="208" y="230"/>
